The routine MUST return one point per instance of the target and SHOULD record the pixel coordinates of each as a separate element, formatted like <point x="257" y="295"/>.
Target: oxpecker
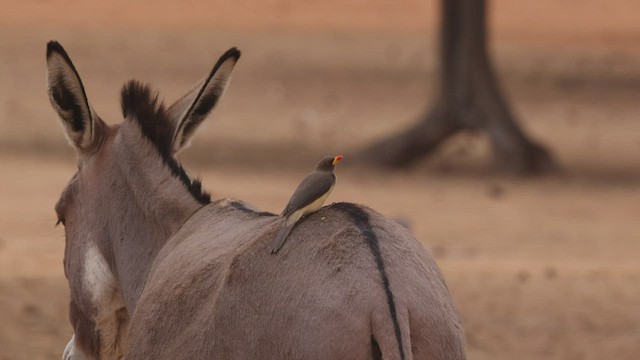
<point x="308" y="197"/>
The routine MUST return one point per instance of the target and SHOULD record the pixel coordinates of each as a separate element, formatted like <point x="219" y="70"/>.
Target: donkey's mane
<point x="142" y="105"/>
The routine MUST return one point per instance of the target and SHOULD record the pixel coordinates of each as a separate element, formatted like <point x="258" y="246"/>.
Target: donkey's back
<point x="349" y="284"/>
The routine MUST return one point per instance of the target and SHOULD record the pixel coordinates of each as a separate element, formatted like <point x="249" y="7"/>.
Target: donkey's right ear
<point x="68" y="98"/>
<point x="189" y="112"/>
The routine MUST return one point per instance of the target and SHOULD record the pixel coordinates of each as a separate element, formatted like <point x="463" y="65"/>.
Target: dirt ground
<point x="539" y="268"/>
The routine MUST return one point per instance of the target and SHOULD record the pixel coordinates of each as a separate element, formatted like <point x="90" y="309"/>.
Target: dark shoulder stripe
<point x="361" y="219"/>
<point x="141" y="105"/>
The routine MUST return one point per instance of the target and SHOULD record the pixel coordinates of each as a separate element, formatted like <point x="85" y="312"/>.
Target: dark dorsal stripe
<point x="361" y="219"/>
<point x="242" y="207"/>
<point x="141" y="105"/>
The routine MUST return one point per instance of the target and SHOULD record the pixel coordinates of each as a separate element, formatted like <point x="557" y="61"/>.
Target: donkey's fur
<point x="158" y="271"/>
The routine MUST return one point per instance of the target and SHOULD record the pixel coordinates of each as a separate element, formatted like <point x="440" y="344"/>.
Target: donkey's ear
<point x="190" y="110"/>
<point x="68" y="98"/>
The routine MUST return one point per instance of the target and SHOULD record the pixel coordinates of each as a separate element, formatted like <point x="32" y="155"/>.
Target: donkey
<point x="158" y="270"/>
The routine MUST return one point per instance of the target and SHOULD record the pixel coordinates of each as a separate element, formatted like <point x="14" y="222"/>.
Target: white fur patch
<point x="98" y="279"/>
<point x="100" y="283"/>
<point x="71" y="352"/>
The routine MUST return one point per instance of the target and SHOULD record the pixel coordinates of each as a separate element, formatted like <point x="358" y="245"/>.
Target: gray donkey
<point x="157" y="270"/>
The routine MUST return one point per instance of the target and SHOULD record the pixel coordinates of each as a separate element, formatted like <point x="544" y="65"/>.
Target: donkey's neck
<point x="153" y="204"/>
<point x="160" y="195"/>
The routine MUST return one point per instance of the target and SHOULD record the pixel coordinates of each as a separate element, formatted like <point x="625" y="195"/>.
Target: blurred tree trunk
<point x="469" y="98"/>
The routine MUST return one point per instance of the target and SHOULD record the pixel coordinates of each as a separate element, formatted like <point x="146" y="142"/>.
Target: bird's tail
<point x="282" y="236"/>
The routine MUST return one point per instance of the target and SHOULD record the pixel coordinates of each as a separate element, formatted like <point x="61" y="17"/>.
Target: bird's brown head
<point x="328" y="163"/>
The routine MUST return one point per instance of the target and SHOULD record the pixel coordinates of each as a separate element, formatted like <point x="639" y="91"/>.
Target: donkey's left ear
<point x="66" y="92"/>
<point x="190" y="110"/>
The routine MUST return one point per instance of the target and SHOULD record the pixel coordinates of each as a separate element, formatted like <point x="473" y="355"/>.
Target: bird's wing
<point x="311" y="188"/>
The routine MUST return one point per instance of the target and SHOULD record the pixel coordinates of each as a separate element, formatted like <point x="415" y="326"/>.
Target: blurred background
<point x="542" y="266"/>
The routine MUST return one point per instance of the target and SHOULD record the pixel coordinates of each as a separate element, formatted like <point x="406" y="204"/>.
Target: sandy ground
<point x="540" y="268"/>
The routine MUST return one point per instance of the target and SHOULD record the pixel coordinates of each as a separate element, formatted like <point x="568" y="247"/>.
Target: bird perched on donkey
<point x="308" y="197"/>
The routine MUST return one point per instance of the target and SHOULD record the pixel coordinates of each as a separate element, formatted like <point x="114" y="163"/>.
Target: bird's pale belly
<point x="314" y="206"/>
